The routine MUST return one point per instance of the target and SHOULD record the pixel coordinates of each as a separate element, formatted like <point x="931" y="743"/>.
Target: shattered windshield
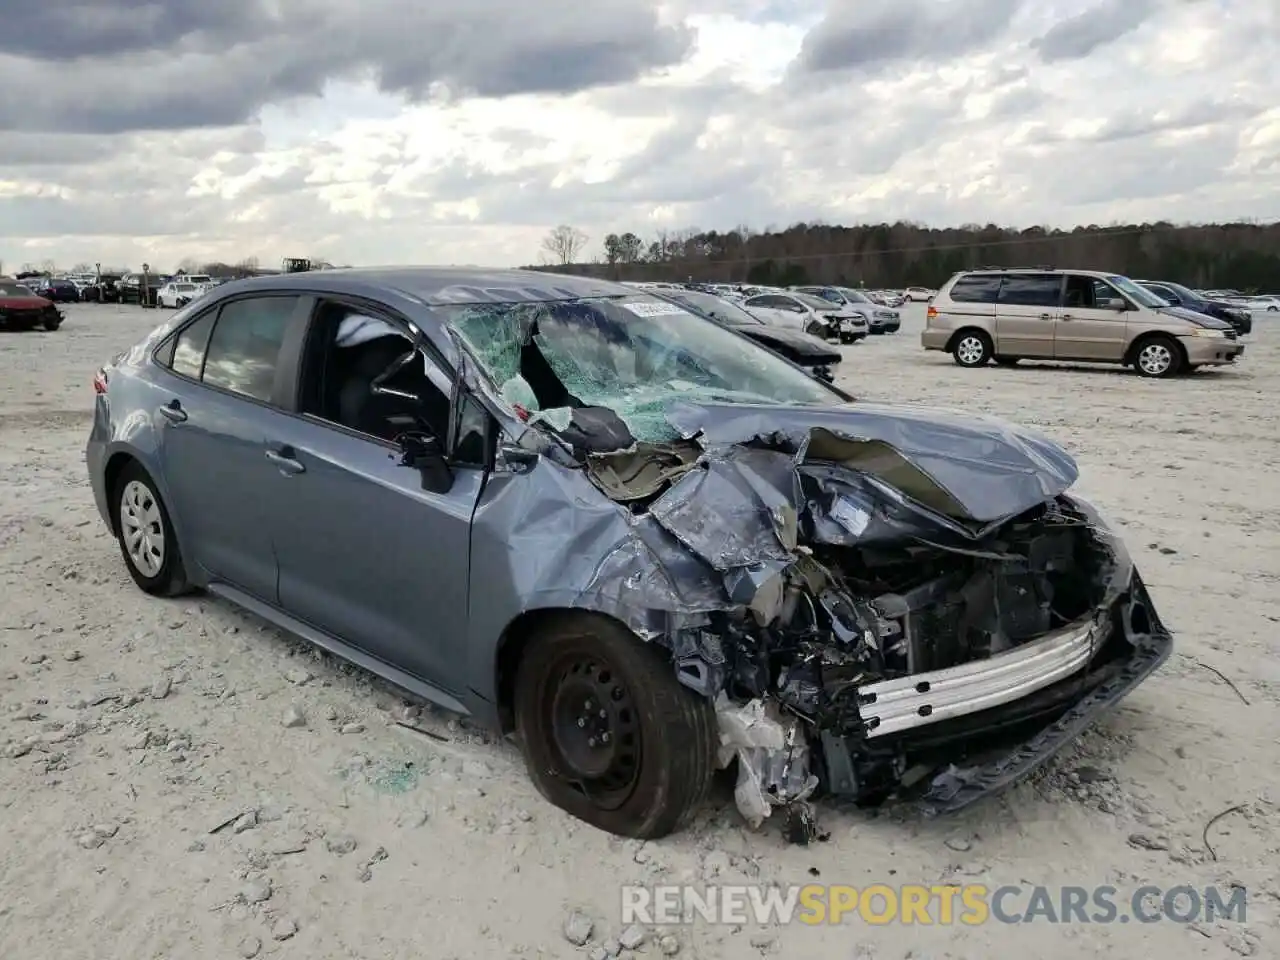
<point x="633" y="355"/>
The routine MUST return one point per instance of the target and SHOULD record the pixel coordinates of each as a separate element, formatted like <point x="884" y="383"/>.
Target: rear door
<point x="1027" y="312"/>
<point x="220" y="398"/>
<point x="1093" y="324"/>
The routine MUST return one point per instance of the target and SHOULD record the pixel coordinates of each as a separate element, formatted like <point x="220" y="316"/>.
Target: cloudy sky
<point x="397" y="132"/>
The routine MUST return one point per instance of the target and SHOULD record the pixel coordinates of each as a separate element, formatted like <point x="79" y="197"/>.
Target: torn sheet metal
<point x="984" y="469"/>
<point x="772" y="754"/>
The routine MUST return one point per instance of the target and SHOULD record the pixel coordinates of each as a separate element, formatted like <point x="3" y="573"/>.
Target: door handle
<point x="1046" y="316"/>
<point x="173" y="411"/>
<point x="285" y="461"/>
<point x="1066" y="316"/>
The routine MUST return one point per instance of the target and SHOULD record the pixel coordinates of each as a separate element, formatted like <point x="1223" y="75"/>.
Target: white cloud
<point x="708" y="115"/>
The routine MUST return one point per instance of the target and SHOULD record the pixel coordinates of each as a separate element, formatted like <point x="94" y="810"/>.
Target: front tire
<point x="972" y="348"/>
<point x="608" y="732"/>
<point x="1157" y="357"/>
<point x="146" y="536"/>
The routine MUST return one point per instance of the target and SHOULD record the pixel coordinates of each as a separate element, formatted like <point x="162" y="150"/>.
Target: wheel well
<point x="111" y="475"/>
<point x="1134" y="347"/>
<point x="962" y="331"/>
<point x="511" y="648"/>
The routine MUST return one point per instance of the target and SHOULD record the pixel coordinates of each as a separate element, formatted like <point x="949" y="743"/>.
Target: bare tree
<point x="563" y="244"/>
<point x="48" y="266"/>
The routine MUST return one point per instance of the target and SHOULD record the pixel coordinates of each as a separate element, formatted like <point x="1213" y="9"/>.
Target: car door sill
<point x="339" y="648"/>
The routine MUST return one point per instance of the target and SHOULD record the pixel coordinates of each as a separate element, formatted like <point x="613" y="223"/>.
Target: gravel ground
<point x="133" y="728"/>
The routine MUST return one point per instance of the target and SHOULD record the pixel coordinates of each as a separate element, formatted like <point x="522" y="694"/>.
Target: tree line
<point x="1243" y="256"/>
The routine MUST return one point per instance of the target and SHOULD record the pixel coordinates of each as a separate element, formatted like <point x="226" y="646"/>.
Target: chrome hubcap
<point x="969" y="350"/>
<point x="142" y="528"/>
<point x="1155" y="358"/>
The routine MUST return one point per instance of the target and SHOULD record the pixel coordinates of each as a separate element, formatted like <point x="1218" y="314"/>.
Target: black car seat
<point x="358" y="406"/>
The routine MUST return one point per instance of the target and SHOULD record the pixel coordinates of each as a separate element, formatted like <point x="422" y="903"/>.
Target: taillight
<point x="930" y="315"/>
<point x="100" y="381"/>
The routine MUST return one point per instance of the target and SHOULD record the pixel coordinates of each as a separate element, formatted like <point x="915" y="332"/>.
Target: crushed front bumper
<point x="977" y="729"/>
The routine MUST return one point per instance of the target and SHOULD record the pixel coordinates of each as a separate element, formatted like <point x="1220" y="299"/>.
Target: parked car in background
<point x="815" y="355"/>
<point x="104" y="289"/>
<point x="178" y="294"/>
<point x="888" y="298"/>
<point x="1266" y="303"/>
<point x="675" y="550"/>
<point x="54" y="289"/>
<point x="1007" y="315"/>
<point x="21" y="309"/>
<point x="918" y="294"/>
<point x="1240" y="318"/>
<point x="880" y="319"/>
<point x="811" y="315"/>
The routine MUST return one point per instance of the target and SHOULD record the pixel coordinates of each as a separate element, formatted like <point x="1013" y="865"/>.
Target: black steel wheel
<point x="608" y="732"/>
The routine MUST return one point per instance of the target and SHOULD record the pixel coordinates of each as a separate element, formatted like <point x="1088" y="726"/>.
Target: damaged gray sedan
<point x="644" y="544"/>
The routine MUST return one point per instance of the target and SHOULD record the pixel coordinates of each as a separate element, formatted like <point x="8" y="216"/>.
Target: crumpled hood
<point x="969" y="467"/>
<point x="801" y="343"/>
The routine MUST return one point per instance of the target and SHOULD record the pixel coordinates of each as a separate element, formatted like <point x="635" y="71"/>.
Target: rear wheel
<point x="608" y="732"/>
<point x="972" y="348"/>
<point x="147" y="540"/>
<point x="1157" y="356"/>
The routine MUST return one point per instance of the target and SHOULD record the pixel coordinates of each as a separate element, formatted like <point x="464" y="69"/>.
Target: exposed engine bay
<point x="868" y="645"/>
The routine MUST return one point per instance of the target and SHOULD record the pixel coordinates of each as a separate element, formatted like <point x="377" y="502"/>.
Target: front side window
<point x="245" y="345"/>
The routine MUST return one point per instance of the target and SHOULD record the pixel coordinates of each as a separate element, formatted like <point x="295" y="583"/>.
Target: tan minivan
<point x="1079" y="315"/>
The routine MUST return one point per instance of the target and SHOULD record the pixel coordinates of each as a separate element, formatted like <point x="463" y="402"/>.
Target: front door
<point x="365" y="553"/>
<point x="1092" y="327"/>
<point x="1027" y="311"/>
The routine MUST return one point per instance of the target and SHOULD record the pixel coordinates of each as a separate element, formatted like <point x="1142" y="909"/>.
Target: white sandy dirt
<point x="131" y="728"/>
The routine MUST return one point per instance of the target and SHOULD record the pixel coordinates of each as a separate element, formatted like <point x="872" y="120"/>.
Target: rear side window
<point x="1031" y="290"/>
<point x="976" y="288"/>
<point x="189" y="347"/>
<point x="245" y="345"/>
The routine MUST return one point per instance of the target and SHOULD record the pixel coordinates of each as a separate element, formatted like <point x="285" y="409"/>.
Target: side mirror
<point x="422" y="452"/>
<point x="1118" y="305"/>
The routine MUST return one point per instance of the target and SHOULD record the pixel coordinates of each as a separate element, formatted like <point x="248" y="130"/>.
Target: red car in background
<point x="20" y="309"/>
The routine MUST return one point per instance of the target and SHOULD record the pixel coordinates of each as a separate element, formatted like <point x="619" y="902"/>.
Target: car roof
<point x="437" y="286"/>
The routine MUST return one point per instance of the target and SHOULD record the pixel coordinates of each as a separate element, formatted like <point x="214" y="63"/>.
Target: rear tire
<point x="644" y="768"/>
<point x="146" y="536"/>
<point x="972" y="348"/>
<point x="1157" y="356"/>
